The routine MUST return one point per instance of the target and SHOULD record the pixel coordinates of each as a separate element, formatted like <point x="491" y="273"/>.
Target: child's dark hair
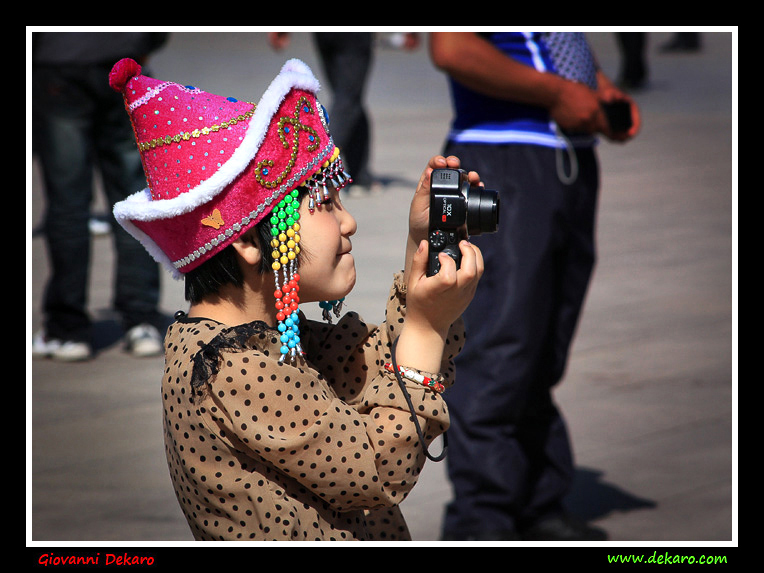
<point x="223" y="268"/>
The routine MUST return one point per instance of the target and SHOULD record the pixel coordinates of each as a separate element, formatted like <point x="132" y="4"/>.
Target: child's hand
<point x="434" y="303"/>
<point x="441" y="299"/>
<point x="419" y="213"/>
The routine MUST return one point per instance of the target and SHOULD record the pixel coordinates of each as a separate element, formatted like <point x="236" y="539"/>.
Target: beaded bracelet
<point x="415" y="376"/>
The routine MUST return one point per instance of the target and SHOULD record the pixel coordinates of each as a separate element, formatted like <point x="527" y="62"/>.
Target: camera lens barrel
<point x="482" y="211"/>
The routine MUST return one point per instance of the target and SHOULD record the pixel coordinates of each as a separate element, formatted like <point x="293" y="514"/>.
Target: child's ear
<point x="246" y="247"/>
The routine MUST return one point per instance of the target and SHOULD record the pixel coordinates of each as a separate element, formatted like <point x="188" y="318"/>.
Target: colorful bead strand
<point x="286" y="238"/>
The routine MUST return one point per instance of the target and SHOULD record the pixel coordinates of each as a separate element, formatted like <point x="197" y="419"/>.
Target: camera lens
<point x="482" y="211"/>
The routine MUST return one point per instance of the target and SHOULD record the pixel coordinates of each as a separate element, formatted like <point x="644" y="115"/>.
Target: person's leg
<point x="492" y="459"/>
<point x="63" y="123"/>
<point x="545" y="438"/>
<point x="136" y="273"/>
<point x="346" y="58"/>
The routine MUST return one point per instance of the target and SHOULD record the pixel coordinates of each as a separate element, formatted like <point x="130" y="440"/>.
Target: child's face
<point x="327" y="269"/>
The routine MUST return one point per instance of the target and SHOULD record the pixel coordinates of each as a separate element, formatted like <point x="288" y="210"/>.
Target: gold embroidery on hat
<point x="289" y="126"/>
<point x="215" y="220"/>
<point x="186" y="135"/>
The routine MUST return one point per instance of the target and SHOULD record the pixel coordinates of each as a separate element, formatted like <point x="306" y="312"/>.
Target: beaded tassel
<point x="329" y="306"/>
<point x="285" y="231"/>
<point x="331" y="174"/>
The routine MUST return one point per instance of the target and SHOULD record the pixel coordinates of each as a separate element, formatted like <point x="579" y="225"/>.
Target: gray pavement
<point x="651" y="389"/>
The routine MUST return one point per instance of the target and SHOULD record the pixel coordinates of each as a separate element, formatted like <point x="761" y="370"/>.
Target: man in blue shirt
<point x="528" y="109"/>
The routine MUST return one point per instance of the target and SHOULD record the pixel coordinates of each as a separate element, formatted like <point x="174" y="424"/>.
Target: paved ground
<point x="651" y="389"/>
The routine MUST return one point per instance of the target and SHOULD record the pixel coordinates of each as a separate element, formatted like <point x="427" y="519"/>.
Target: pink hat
<point x="216" y="166"/>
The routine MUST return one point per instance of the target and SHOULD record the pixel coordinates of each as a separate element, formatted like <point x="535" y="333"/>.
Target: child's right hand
<point x="438" y="301"/>
<point x="434" y="303"/>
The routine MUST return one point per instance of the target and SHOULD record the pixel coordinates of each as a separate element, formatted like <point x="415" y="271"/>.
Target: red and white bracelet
<point x="417" y="377"/>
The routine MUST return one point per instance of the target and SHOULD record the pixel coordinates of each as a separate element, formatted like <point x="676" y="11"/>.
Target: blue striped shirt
<point x="483" y="119"/>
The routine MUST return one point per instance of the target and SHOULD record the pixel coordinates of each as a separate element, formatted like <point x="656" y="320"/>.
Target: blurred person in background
<point x="80" y="125"/>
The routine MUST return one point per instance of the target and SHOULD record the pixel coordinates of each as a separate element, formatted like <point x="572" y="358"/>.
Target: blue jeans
<point x="80" y="124"/>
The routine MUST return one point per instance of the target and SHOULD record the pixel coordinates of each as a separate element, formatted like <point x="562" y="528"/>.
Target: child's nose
<point x="348" y="225"/>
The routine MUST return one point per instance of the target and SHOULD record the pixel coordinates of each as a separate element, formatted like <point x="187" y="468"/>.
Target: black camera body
<point x="457" y="211"/>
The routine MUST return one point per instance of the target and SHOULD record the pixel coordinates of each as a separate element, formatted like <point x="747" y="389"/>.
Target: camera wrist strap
<point x="419" y="432"/>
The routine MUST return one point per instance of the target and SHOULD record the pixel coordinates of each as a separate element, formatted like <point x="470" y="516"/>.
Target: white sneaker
<point x="144" y="340"/>
<point x="64" y="350"/>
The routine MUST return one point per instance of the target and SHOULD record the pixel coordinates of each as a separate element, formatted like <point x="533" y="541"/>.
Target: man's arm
<point x="476" y="63"/>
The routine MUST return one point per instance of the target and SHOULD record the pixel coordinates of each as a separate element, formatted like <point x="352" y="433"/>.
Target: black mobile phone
<point x="618" y="115"/>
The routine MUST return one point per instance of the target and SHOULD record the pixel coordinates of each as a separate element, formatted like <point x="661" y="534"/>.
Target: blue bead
<point x="281" y="327"/>
<point x="232" y="99"/>
<point x="284" y="338"/>
<point x="284" y="350"/>
<point x="289" y="322"/>
<point x="292" y="344"/>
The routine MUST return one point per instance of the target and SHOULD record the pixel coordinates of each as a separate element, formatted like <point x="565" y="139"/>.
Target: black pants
<point x="346" y="59"/>
<point x="510" y="458"/>
<point x="80" y="125"/>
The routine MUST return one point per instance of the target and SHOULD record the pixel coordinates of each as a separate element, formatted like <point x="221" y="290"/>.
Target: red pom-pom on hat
<point x="121" y="73"/>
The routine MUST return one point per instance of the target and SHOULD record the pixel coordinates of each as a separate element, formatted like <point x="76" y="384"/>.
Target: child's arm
<point x="433" y="303"/>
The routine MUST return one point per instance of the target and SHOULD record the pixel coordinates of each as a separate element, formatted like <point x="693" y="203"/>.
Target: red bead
<point x="296" y="277"/>
<point x="293" y="306"/>
<point x="279" y="305"/>
<point x="280" y="316"/>
<point x="278" y="294"/>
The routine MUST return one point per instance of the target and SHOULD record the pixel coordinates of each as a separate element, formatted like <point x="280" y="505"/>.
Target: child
<point x="276" y="427"/>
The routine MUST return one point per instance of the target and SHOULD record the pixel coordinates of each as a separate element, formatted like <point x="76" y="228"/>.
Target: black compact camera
<point x="457" y="211"/>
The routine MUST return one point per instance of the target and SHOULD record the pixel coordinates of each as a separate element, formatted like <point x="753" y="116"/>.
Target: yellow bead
<point x="275" y="266"/>
<point x="297" y="238"/>
<point x="284" y="260"/>
<point x="291" y="255"/>
<point x="282" y="238"/>
<point x="283" y="248"/>
<point x="275" y="243"/>
<point x="297" y="250"/>
<point x="296" y="227"/>
<point x="290" y="232"/>
<point x="275" y="255"/>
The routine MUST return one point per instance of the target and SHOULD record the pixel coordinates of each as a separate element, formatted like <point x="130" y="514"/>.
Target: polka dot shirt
<point x="323" y="449"/>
